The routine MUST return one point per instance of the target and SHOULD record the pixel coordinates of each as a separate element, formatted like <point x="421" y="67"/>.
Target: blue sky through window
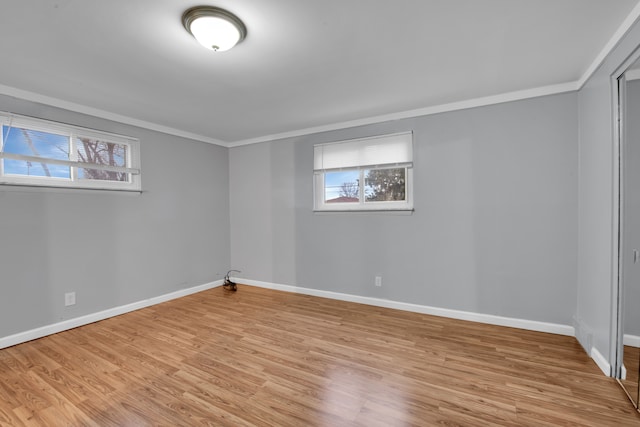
<point x="35" y="143"/>
<point x="333" y="182"/>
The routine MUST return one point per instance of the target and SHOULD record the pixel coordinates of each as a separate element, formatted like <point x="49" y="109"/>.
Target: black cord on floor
<point x="228" y="284"/>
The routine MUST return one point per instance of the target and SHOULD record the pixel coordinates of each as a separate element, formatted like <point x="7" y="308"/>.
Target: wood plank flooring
<point x="267" y="358"/>
<point x="631" y="360"/>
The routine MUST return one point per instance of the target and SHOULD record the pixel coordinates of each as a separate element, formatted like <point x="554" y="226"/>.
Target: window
<point x="43" y="153"/>
<point x="364" y="174"/>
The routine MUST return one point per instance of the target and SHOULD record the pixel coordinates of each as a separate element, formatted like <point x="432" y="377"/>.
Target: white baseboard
<point x="531" y="325"/>
<point x="32" y="334"/>
<point x="601" y="361"/>
<point x="631" y="340"/>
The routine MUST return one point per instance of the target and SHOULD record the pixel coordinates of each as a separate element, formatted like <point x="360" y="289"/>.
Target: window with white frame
<point x="371" y="174"/>
<point x="43" y="153"/>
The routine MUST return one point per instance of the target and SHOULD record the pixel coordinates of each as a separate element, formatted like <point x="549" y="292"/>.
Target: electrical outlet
<point x="378" y="281"/>
<point x="69" y="299"/>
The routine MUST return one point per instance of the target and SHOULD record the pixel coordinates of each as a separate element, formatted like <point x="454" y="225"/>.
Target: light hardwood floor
<point x="269" y="358"/>
<point x="631" y="360"/>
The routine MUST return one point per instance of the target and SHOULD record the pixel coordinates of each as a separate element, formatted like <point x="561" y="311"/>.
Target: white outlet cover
<point x="69" y="298"/>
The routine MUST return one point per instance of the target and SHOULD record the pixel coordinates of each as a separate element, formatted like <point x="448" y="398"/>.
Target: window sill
<point x="17" y="187"/>
<point x="408" y="211"/>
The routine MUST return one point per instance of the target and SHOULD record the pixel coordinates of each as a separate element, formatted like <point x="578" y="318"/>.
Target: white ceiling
<point x="305" y="65"/>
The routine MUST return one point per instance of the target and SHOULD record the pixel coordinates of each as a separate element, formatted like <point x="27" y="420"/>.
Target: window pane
<point x="22" y="167"/>
<point x="31" y="142"/>
<point x="98" y="152"/>
<point x="385" y="185"/>
<point x="342" y="187"/>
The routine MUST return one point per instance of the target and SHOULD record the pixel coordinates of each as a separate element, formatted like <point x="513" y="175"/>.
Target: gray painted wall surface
<point x="494" y="229"/>
<point x="631" y="227"/>
<point x="112" y="248"/>
<point x="596" y="198"/>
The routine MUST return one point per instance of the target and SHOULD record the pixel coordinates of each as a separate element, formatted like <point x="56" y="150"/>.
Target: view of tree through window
<point x="373" y="173"/>
<point x="342" y="187"/>
<point x="385" y="185"/>
<point x="380" y="185"/>
<point x="101" y="153"/>
<point x="47" y="145"/>
<point x="42" y="153"/>
<point x="350" y="190"/>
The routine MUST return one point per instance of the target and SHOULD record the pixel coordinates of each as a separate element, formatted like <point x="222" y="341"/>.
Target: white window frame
<point x="131" y="168"/>
<point x="393" y="151"/>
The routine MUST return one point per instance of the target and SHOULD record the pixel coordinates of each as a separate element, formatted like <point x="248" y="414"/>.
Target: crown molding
<point x="95" y="112"/>
<point x="427" y="111"/>
<point x="629" y="21"/>
<point x="624" y="28"/>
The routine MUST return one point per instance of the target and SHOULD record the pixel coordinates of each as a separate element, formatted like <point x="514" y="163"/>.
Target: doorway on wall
<point x="626" y="367"/>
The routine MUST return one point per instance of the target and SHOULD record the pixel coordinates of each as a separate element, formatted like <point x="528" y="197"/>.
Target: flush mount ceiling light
<point x="214" y="28"/>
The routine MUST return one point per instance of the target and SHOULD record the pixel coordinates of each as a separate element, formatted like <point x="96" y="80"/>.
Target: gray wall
<point x="595" y="309"/>
<point x="112" y="248"/>
<point x="494" y="229"/>
<point x="631" y="214"/>
<point x="498" y="190"/>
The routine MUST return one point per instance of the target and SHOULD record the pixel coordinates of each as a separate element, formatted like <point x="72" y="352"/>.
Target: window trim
<point x="319" y="187"/>
<point x="72" y="133"/>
